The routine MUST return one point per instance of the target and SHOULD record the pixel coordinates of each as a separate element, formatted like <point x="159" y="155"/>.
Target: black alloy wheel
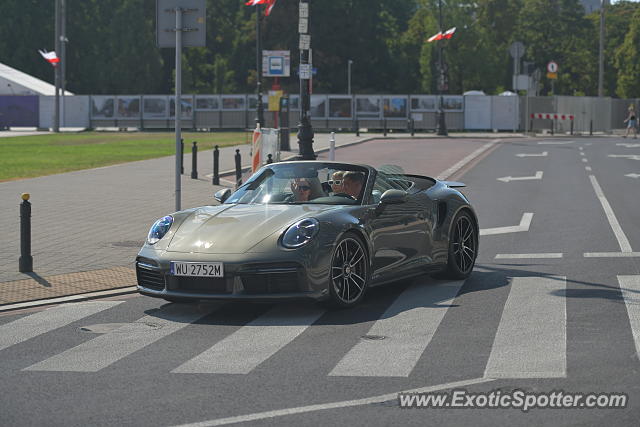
<point x="349" y="275"/>
<point x="463" y="247"/>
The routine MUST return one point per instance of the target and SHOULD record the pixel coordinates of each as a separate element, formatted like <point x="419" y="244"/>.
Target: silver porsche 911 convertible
<point x="311" y="229"/>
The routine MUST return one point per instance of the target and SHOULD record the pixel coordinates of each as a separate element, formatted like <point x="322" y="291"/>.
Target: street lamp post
<point x="259" y="106"/>
<point x="601" y="51"/>
<point x="442" y="125"/>
<point x="305" y="130"/>
<point x="349" y="63"/>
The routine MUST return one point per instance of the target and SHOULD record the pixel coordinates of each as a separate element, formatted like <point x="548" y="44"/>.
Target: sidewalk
<point x="87" y="226"/>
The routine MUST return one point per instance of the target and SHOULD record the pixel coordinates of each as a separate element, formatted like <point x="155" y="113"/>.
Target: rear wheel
<point x="463" y="247"/>
<point x="349" y="275"/>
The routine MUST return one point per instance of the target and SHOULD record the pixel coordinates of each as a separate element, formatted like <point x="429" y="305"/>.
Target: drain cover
<point x="104" y="328"/>
<point x="373" y="337"/>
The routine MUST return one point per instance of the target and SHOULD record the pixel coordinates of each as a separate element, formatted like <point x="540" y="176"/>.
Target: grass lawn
<point x="38" y="155"/>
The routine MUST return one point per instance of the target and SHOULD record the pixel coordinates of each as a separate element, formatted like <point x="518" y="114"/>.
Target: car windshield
<point x="302" y="183"/>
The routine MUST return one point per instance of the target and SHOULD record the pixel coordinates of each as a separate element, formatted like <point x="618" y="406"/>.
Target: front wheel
<point x="349" y="275"/>
<point x="463" y="247"/>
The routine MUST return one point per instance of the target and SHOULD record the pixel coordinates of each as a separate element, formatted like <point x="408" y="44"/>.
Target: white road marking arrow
<point x="633" y="175"/>
<point x="543" y="154"/>
<point x="538" y="175"/>
<point x="628" y="145"/>
<point x="626" y="156"/>
<point x="525" y="222"/>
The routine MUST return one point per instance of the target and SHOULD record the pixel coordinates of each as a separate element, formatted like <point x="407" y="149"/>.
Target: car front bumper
<point x="257" y="276"/>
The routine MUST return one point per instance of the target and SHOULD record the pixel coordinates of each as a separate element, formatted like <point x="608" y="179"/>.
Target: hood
<point x="235" y="228"/>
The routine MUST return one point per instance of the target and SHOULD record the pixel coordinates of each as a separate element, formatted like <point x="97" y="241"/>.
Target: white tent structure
<point x="15" y="82"/>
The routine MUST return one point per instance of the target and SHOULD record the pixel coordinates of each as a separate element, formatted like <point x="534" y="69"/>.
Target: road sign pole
<point x="177" y="108"/>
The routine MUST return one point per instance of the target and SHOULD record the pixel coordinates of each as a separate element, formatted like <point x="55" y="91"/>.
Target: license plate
<point x="197" y="269"/>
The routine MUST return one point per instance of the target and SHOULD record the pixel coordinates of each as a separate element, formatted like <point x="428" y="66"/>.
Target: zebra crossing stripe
<point x="408" y="326"/>
<point x="47" y="320"/>
<point x="252" y="344"/>
<point x="531" y="339"/>
<point x="630" y="288"/>
<point x="104" y="350"/>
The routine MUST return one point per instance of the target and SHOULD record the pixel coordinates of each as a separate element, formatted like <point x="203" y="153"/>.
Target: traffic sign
<point x="276" y="63"/>
<point x="552" y="76"/>
<point x="516" y="50"/>
<point x="552" y="67"/>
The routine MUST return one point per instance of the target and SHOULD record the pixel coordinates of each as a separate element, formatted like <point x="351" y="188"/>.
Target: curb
<point x="69" y="298"/>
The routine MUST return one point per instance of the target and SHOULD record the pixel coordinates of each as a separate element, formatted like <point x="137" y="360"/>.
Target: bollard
<point x="269" y="158"/>
<point x="553" y="123"/>
<point x="332" y="146"/>
<point x="25" y="263"/>
<point x="216" y="166"/>
<point x="531" y="126"/>
<point x="181" y="156"/>
<point x="384" y="124"/>
<point x="194" y="160"/>
<point x="591" y="127"/>
<point x="571" y="127"/>
<point x="238" y="169"/>
<point x="413" y="127"/>
<point x="357" y="128"/>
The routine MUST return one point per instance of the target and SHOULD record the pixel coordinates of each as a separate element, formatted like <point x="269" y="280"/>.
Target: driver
<point x="352" y="183"/>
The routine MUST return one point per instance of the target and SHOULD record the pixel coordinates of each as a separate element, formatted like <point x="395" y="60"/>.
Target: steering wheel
<point x="348" y="196"/>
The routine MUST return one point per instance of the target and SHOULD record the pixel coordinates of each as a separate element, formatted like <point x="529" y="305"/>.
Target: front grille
<point x="270" y="283"/>
<point x="149" y="278"/>
<point x="201" y="285"/>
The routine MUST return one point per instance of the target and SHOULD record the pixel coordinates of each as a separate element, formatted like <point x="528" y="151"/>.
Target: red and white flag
<point x="435" y="37"/>
<point x="449" y="33"/>
<point x="440" y="36"/>
<point x="50" y="56"/>
<point x="269" y="3"/>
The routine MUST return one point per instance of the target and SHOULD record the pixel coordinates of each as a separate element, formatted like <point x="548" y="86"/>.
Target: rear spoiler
<point x="453" y="184"/>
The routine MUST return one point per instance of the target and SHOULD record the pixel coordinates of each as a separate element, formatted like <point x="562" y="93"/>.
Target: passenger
<point x="301" y="189"/>
<point x="336" y="182"/>
<point x="352" y="183"/>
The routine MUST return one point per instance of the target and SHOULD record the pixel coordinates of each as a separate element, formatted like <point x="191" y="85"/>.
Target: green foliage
<point x="628" y="61"/>
<point x="112" y="47"/>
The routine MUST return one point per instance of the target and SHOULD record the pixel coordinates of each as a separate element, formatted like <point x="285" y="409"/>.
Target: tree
<point x="627" y="60"/>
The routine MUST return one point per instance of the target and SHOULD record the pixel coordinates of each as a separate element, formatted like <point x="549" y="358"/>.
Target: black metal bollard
<point x="238" y="169"/>
<point x="357" y="128"/>
<point x="591" y="127"/>
<point x="269" y="158"/>
<point x="413" y="127"/>
<point x="571" y="127"/>
<point x="216" y="166"/>
<point x="181" y="156"/>
<point x="25" y="263"/>
<point x="553" y="123"/>
<point x="384" y="125"/>
<point x="194" y="160"/>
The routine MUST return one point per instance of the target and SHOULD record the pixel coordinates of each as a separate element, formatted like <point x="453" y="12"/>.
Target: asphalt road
<point x="553" y="304"/>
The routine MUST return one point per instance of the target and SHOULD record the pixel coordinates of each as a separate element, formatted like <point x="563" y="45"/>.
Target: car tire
<point x="463" y="247"/>
<point x="349" y="272"/>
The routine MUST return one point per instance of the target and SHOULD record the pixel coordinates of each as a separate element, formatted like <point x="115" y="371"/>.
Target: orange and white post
<point x="256" y="148"/>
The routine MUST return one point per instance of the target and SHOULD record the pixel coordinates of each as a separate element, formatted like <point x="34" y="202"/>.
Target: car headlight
<point x="159" y="229"/>
<point x="300" y="233"/>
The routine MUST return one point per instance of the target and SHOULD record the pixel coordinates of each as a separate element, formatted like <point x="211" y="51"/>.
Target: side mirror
<point x="222" y="195"/>
<point x="393" y="197"/>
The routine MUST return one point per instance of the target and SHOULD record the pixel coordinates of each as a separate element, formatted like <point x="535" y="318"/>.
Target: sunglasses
<point x="303" y="188"/>
<point x="335" y="182"/>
